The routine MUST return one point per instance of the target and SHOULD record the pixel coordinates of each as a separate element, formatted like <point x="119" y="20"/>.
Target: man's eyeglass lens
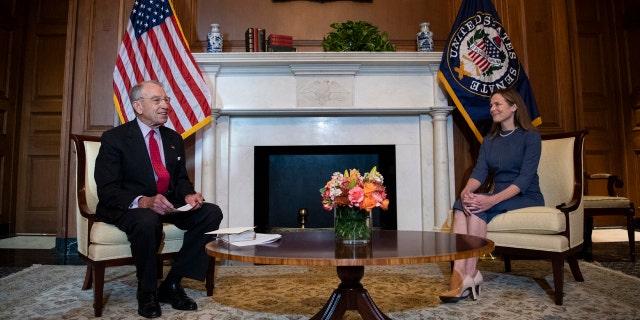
<point x="157" y="100"/>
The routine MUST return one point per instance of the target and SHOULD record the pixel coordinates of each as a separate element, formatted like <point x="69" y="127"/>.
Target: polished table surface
<point x="319" y="248"/>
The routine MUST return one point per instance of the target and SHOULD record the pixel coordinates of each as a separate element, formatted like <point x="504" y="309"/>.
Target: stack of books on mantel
<point x="254" y="40"/>
<point x="280" y="43"/>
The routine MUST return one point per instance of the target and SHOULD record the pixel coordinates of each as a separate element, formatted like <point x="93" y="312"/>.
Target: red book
<point x="259" y="41"/>
<point x="280" y="37"/>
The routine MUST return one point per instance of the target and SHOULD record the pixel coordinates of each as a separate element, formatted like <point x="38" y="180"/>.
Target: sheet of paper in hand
<point x="186" y="207"/>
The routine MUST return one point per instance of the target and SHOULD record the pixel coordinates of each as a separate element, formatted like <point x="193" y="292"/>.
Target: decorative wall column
<point x="205" y="160"/>
<point x="441" y="166"/>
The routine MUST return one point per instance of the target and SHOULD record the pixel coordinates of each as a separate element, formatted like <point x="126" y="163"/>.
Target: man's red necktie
<point x="163" y="175"/>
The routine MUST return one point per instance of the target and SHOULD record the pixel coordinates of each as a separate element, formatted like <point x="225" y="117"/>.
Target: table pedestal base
<point x="350" y="295"/>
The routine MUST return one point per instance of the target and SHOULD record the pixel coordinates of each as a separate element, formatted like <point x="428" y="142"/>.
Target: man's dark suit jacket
<point x="124" y="171"/>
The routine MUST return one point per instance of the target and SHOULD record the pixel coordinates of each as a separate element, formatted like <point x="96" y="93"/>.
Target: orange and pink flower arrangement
<point x="354" y="190"/>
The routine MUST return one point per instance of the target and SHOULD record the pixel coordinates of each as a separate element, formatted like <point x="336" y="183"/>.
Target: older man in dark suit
<point x="141" y="178"/>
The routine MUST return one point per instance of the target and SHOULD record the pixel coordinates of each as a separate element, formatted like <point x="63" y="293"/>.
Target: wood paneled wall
<point x="308" y="22"/>
<point x="41" y="118"/>
<point x="628" y="36"/>
<point x="11" y="37"/>
<point x="597" y="93"/>
<point x="544" y="33"/>
<point x="609" y="86"/>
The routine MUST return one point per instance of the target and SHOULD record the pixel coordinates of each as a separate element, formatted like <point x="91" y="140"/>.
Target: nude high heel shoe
<point x="477" y="281"/>
<point x="464" y="289"/>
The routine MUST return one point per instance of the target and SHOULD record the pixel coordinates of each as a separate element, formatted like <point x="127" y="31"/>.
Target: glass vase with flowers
<point x="352" y="196"/>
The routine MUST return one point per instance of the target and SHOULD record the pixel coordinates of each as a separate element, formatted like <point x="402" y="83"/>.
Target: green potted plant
<point x="356" y="36"/>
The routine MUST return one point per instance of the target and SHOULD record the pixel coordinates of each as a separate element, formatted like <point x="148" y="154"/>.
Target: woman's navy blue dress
<point x="510" y="160"/>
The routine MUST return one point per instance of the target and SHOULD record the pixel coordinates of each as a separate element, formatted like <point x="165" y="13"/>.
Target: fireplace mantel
<point x="284" y="99"/>
<point x="262" y="59"/>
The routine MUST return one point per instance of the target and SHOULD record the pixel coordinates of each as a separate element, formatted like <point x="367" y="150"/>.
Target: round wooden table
<point x="319" y="248"/>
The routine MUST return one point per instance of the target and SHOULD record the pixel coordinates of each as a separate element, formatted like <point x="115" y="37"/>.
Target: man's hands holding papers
<point x="161" y="205"/>
<point x="195" y="200"/>
<point x="186" y="207"/>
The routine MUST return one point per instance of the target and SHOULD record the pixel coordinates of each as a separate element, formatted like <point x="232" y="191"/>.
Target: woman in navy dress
<point x="510" y="153"/>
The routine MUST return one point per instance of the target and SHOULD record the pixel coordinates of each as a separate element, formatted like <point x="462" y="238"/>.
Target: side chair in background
<point x="607" y="205"/>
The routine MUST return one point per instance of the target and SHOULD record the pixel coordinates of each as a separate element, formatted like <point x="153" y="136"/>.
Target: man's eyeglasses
<point x="156" y="100"/>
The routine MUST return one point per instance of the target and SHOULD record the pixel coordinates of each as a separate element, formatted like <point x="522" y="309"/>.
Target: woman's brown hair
<point x="520" y="118"/>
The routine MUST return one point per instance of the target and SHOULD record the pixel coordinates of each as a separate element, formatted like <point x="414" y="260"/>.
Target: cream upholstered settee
<point x="554" y="231"/>
<point x="101" y="244"/>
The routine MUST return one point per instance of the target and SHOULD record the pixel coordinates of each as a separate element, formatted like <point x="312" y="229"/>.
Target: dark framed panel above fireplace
<point x="289" y="178"/>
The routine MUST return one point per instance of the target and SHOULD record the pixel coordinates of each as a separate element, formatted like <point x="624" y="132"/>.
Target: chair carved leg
<point x="631" y="228"/>
<point x="211" y="277"/>
<point x="159" y="268"/>
<point x="98" y="279"/>
<point x="575" y="268"/>
<point x="587" y="245"/>
<point x="558" y="278"/>
<point x="88" y="278"/>
<point x="507" y="263"/>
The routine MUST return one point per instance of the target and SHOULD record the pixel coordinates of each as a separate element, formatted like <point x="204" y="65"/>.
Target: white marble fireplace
<point x="306" y="99"/>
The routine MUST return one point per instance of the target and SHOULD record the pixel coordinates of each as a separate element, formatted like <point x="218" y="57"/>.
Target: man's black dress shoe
<point x="173" y="293"/>
<point x="148" y="305"/>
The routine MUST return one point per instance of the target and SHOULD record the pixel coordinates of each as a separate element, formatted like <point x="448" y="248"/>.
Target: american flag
<point x="154" y="48"/>
<point x="484" y="53"/>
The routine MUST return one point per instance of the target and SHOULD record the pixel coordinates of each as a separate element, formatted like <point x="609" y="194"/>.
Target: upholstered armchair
<point x="101" y="244"/>
<point x="554" y="231"/>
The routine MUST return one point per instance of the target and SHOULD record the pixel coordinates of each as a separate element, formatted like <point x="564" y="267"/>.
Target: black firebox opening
<point x="288" y="178"/>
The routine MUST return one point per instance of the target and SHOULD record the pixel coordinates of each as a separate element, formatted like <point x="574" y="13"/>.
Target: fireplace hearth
<point x="288" y="179"/>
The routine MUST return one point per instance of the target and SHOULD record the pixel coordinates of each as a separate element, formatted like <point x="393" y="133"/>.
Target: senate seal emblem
<point x="481" y="57"/>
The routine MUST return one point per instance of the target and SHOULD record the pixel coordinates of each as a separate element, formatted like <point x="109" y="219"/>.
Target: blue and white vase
<point x="214" y="39"/>
<point x="425" y="38"/>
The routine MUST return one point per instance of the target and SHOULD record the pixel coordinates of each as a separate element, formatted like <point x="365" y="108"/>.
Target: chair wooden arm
<point x="613" y="181"/>
<point x="566" y="209"/>
<point x="569" y="207"/>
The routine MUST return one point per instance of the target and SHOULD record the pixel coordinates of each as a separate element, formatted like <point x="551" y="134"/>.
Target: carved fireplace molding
<point x="323" y="98"/>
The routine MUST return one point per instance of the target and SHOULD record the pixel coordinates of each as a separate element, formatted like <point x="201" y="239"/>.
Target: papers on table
<point x="244" y="236"/>
<point x="234" y="230"/>
<point x="261" y="238"/>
